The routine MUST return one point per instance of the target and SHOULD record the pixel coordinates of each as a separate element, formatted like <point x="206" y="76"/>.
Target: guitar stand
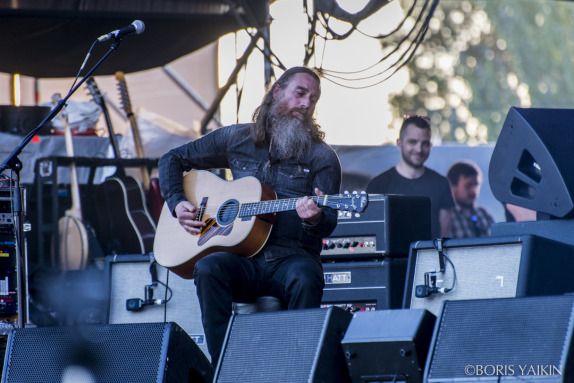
<point x="15" y="165"/>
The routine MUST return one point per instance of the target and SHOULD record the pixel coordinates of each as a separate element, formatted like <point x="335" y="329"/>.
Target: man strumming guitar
<point x="284" y="149"/>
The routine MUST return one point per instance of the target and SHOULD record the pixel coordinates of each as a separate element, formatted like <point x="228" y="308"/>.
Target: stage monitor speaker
<point x="138" y="353"/>
<point x="285" y="346"/>
<point x="503" y="340"/>
<point x="388" y="345"/>
<point x="127" y="277"/>
<point x="494" y="267"/>
<point x="531" y="161"/>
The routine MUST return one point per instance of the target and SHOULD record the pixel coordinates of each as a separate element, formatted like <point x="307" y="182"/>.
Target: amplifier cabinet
<point x="494" y="267"/>
<point x="127" y="277"/>
<point x="364" y="286"/>
<point x="392" y="221"/>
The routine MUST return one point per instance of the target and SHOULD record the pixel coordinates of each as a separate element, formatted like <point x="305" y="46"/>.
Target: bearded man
<point x="284" y="149"/>
<point x="411" y="177"/>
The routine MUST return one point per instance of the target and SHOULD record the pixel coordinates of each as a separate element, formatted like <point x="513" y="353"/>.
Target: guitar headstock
<point x="124" y="95"/>
<point x="355" y="202"/>
<point x="94" y="91"/>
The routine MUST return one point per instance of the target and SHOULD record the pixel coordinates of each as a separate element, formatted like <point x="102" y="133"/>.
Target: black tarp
<point x="50" y="38"/>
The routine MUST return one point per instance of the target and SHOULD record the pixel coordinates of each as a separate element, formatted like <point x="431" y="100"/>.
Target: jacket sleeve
<point x="207" y="152"/>
<point x="328" y="180"/>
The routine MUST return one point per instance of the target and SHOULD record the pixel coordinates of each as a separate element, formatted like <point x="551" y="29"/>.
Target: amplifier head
<point x="388" y="225"/>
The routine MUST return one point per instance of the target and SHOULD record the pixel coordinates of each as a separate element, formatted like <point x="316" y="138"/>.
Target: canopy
<point x="50" y="38"/>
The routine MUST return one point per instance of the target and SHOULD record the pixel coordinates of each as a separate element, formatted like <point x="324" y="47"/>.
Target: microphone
<point x="136" y="27"/>
<point x="136" y="304"/>
<point x="153" y="269"/>
<point x="430" y="287"/>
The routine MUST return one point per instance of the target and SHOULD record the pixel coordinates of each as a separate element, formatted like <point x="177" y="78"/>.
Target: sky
<point x="348" y="116"/>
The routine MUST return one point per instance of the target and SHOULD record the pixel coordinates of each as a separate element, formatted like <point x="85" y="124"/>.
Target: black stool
<point x="262" y="304"/>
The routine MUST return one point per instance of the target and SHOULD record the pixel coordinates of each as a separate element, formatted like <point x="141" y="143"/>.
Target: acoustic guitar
<point x="154" y="199"/>
<point x="125" y="226"/>
<point x="73" y="240"/>
<point x="239" y="217"/>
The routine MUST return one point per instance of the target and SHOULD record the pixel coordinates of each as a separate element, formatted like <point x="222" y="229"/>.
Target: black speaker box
<point x="531" y="162"/>
<point x="366" y="285"/>
<point x="285" y="346"/>
<point x="495" y="267"/>
<point x="138" y="353"/>
<point x="388" y="345"/>
<point x="126" y="278"/>
<point x="503" y="340"/>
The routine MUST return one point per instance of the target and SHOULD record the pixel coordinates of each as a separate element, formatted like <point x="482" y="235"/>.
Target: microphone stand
<point x="14" y="163"/>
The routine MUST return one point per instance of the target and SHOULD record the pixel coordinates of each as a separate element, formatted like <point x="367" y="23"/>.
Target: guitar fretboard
<point x="274" y="206"/>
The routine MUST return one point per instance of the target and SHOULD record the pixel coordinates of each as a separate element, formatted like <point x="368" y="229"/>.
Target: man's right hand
<point x="186" y="215"/>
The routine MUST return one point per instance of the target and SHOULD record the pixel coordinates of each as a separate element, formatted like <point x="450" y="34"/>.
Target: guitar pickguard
<point x="212" y="230"/>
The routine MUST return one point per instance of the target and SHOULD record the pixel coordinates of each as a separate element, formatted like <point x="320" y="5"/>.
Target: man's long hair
<point x="259" y="128"/>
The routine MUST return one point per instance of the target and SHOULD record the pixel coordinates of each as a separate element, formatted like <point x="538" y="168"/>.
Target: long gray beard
<point x="290" y="137"/>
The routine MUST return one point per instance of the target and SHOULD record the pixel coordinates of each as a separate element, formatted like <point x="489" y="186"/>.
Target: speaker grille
<point x="474" y="279"/>
<point x="118" y="353"/>
<point x="127" y="277"/>
<point x="287" y="346"/>
<point x="510" y="333"/>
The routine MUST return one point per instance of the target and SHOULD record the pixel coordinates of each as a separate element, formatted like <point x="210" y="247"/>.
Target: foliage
<point x="481" y="57"/>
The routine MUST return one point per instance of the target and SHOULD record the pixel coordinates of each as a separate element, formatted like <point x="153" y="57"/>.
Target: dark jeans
<point x="223" y="278"/>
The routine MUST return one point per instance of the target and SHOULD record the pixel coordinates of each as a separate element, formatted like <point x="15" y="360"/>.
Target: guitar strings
<point x="270" y="206"/>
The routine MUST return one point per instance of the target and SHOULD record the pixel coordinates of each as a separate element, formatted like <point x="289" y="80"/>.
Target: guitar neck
<point x="137" y="137"/>
<point x="100" y="100"/>
<point x="111" y="133"/>
<point x="275" y="206"/>
<point x="126" y="103"/>
<point x="139" y="151"/>
<point x="76" y="209"/>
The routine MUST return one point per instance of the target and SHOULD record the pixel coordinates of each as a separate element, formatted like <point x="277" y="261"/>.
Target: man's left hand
<point x="308" y="209"/>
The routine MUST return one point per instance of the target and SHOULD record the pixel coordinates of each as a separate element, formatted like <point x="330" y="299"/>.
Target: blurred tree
<point x="480" y="58"/>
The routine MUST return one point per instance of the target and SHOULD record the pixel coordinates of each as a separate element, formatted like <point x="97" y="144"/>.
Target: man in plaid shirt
<point x="468" y="219"/>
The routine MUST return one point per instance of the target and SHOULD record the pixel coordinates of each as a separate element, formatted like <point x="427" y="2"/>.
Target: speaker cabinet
<point x="145" y="352"/>
<point x="531" y="162"/>
<point x="367" y="285"/>
<point x="285" y="346"/>
<point x="495" y="267"/>
<point x="388" y="345"/>
<point x="127" y="277"/>
<point x="503" y="340"/>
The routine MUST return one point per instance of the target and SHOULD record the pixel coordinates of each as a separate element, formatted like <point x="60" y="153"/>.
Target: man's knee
<point x="208" y="266"/>
<point x="306" y="275"/>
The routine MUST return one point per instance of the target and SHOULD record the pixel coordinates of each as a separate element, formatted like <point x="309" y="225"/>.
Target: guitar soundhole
<point x="228" y="212"/>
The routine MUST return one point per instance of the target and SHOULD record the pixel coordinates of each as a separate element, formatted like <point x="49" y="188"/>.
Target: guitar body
<point x="125" y="224"/>
<point x="178" y="250"/>
<point x="154" y="199"/>
<point x="73" y="243"/>
<point x="239" y="215"/>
